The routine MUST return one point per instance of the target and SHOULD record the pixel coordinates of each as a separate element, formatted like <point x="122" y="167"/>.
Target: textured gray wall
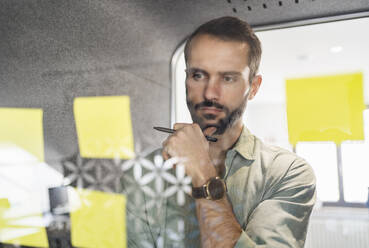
<point x="53" y="51"/>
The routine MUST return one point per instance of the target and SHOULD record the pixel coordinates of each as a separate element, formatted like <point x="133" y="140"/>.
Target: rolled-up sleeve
<point x="244" y="241"/>
<point x="281" y="218"/>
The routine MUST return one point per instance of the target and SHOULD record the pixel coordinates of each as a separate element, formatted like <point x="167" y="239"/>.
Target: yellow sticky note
<point x="23" y="128"/>
<point x="104" y="127"/>
<point x="4" y="204"/>
<point x="97" y="219"/>
<point x="326" y="108"/>
<point x="28" y="236"/>
<point x="12" y="232"/>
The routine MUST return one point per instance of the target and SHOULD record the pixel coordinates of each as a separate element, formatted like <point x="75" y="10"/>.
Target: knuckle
<point x="163" y="154"/>
<point x="177" y="126"/>
<point x="181" y="134"/>
<point x="169" y="142"/>
<point x="196" y="126"/>
<point x="165" y="142"/>
<point x="172" y="140"/>
<point x="187" y="128"/>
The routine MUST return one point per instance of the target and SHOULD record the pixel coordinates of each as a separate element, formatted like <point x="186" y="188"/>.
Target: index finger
<point x="178" y="126"/>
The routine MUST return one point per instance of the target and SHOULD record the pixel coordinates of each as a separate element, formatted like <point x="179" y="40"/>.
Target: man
<point x="269" y="191"/>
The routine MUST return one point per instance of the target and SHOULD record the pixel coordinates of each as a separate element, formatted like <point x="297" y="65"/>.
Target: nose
<point x="212" y="90"/>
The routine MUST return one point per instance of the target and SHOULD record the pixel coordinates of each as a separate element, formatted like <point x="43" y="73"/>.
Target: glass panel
<point x="269" y="123"/>
<point x="355" y="167"/>
<point x="311" y="51"/>
<point x="323" y="158"/>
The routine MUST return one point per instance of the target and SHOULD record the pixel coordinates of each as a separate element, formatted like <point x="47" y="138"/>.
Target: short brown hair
<point x="231" y="29"/>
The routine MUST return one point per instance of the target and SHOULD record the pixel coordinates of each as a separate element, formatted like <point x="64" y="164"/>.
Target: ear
<point x="256" y="82"/>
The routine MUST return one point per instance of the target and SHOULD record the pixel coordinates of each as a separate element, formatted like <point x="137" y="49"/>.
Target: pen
<point x="168" y="130"/>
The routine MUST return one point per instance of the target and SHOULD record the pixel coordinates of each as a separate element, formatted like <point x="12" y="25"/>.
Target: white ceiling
<point x="309" y="51"/>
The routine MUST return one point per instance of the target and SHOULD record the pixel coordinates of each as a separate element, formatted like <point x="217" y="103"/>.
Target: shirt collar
<point x="245" y="144"/>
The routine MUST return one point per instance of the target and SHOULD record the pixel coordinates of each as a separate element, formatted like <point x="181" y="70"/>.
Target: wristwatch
<point x="213" y="189"/>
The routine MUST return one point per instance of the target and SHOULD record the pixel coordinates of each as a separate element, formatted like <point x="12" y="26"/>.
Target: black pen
<point x="168" y="130"/>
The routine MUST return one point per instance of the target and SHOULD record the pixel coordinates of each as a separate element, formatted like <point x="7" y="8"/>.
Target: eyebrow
<point x="194" y="69"/>
<point x="232" y="73"/>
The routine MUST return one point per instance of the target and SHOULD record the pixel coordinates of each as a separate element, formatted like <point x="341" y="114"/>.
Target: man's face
<point x="217" y="84"/>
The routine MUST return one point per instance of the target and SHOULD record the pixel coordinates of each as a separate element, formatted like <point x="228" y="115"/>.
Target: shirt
<point x="272" y="192"/>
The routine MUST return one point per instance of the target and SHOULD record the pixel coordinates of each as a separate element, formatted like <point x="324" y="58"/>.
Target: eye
<point x="198" y="76"/>
<point x="229" y="78"/>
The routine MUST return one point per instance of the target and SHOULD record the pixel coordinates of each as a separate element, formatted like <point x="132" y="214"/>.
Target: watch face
<point x="216" y="189"/>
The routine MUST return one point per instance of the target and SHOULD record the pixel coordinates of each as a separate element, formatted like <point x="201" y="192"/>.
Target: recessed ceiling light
<point x="302" y="57"/>
<point x="336" y="49"/>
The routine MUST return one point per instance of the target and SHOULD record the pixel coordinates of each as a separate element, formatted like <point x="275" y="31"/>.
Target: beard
<point x="224" y="123"/>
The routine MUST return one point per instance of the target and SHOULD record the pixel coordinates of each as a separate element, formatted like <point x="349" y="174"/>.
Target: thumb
<point x="209" y="131"/>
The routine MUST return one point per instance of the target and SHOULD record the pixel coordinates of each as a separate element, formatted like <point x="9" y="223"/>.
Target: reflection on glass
<point x="23" y="183"/>
<point x="355" y="167"/>
<point x="24" y="128"/>
<point x="322" y="157"/>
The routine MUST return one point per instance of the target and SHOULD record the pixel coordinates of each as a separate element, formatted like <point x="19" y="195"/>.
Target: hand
<point x="189" y="144"/>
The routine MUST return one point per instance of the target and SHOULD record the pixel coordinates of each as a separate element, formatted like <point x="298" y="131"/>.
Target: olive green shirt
<point x="272" y="192"/>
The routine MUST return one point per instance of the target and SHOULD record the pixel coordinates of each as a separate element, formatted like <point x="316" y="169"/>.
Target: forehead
<point x="209" y="52"/>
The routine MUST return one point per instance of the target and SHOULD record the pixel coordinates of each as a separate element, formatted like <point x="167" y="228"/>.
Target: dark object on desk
<point x="168" y="130"/>
<point x="58" y="230"/>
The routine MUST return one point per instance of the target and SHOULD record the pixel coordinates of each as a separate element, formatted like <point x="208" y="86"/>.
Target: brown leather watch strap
<point x="213" y="189"/>
<point x="199" y="192"/>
